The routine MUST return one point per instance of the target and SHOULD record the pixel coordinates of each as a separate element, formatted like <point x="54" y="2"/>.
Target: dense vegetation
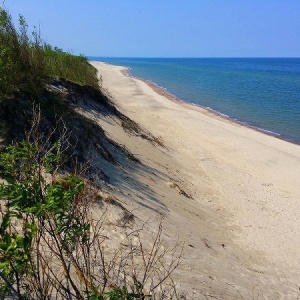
<point x="50" y="246"/>
<point x="26" y="62"/>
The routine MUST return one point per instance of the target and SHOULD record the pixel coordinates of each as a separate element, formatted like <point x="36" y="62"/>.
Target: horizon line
<point x="298" y="57"/>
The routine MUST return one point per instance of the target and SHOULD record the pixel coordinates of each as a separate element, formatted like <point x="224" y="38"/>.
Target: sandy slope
<point x="242" y="225"/>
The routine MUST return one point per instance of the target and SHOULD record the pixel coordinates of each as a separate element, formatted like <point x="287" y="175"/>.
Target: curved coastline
<point x="206" y="110"/>
<point x="244" y="184"/>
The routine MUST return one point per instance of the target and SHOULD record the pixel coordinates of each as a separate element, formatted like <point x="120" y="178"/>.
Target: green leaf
<point x="4" y="265"/>
<point x="3" y="246"/>
<point x="6" y="221"/>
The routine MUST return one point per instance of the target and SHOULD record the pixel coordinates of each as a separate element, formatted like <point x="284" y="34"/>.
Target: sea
<point x="263" y="93"/>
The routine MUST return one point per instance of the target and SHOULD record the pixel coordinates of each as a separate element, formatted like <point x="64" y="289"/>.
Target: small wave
<point x="249" y="123"/>
<point x="219" y="113"/>
<point x="267" y="131"/>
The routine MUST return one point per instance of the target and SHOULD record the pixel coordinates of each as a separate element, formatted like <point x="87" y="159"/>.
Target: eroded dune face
<point x="239" y="223"/>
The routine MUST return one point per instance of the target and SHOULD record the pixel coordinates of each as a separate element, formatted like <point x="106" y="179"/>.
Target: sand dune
<point x="230" y="192"/>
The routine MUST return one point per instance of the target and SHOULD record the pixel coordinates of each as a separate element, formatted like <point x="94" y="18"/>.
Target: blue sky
<point x="167" y="28"/>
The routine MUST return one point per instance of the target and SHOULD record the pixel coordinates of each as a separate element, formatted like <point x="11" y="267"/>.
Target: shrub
<point x="21" y="63"/>
<point x="26" y="62"/>
<point x="74" y="68"/>
<point x="52" y="246"/>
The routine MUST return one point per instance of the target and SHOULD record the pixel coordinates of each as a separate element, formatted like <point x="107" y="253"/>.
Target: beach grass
<point x="26" y="61"/>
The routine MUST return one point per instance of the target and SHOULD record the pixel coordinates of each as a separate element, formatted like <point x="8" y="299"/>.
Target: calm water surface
<point x="261" y="92"/>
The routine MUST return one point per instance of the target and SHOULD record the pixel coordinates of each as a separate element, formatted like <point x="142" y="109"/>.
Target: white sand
<point x="245" y="187"/>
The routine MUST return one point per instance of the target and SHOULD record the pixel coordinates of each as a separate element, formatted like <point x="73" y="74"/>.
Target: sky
<point x="166" y="28"/>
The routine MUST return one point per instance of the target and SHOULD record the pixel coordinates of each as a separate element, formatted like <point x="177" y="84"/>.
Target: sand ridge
<point x="241" y="226"/>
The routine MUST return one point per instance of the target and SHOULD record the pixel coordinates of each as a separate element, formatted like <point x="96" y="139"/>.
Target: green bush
<point x="21" y="62"/>
<point x="35" y="213"/>
<point x="50" y="246"/>
<point x="74" y="68"/>
<point x="26" y="62"/>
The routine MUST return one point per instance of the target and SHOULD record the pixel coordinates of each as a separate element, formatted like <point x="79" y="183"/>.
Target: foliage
<point x="123" y="294"/>
<point x="26" y="62"/>
<point x="50" y="246"/>
<point x="75" y="68"/>
<point x="32" y="202"/>
<point x="21" y="63"/>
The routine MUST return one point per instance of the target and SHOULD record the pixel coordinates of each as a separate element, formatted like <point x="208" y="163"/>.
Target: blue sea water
<point x="261" y="92"/>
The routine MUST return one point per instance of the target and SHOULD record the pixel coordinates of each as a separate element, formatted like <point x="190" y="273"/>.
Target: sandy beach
<point x="239" y="213"/>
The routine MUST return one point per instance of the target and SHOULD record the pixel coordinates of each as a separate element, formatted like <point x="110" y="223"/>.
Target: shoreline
<point x="206" y="110"/>
<point x="243" y="214"/>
